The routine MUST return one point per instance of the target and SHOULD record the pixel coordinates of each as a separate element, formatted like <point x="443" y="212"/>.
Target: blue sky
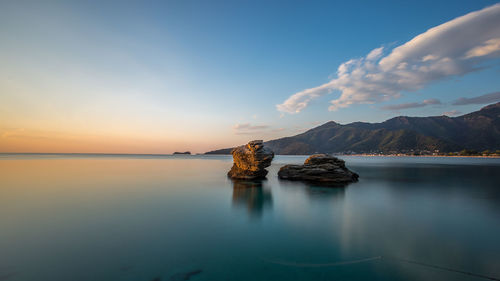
<point x="201" y="75"/>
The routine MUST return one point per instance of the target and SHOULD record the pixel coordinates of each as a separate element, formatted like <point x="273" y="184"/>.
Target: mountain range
<point x="479" y="130"/>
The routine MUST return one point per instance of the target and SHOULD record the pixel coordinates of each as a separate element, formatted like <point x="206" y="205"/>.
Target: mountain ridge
<point x="478" y="130"/>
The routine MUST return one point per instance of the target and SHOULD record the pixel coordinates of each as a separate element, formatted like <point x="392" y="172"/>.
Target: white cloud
<point x="375" y="54"/>
<point x="489" y="47"/>
<point x="429" y="57"/>
<point x="454" y="48"/>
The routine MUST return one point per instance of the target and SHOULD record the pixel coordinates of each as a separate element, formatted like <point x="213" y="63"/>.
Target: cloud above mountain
<point x="247" y="128"/>
<point x="452" y="113"/>
<point x="457" y="47"/>
<point x="412" y="104"/>
<point x="483" y="99"/>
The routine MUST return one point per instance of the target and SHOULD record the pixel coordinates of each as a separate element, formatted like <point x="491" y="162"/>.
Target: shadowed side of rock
<point x="250" y="161"/>
<point x="320" y="168"/>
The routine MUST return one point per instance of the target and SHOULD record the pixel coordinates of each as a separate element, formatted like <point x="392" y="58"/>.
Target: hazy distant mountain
<point x="479" y="130"/>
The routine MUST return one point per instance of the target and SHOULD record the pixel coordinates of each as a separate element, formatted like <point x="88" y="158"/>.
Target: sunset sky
<point x="165" y="76"/>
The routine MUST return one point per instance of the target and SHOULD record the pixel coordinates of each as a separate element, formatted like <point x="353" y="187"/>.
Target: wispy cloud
<point x="483" y="99"/>
<point x="21" y="133"/>
<point x="247" y="128"/>
<point x="454" y="48"/>
<point x="452" y="113"/>
<point x="278" y="130"/>
<point x="411" y="104"/>
<point x="10" y="132"/>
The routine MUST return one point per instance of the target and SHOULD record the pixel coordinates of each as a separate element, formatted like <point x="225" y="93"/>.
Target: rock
<point x="250" y="161"/>
<point x="319" y="168"/>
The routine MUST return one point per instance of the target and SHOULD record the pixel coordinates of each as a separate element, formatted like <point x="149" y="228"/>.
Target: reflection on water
<point x="326" y="193"/>
<point x="252" y="195"/>
<point x="316" y="191"/>
<point x="147" y="217"/>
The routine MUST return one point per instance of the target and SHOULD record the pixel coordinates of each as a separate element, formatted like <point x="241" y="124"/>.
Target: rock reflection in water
<point x="324" y="193"/>
<point x="317" y="191"/>
<point x="252" y="195"/>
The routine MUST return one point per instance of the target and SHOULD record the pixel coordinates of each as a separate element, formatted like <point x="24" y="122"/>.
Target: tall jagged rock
<point x="250" y="161"/>
<point x="319" y="168"/>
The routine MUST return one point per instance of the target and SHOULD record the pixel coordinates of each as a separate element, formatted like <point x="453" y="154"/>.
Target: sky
<point x="165" y="76"/>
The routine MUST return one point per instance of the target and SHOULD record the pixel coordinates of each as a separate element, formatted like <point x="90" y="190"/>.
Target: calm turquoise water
<point x="143" y="218"/>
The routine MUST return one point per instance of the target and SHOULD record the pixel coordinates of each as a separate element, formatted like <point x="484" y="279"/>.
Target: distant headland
<point x="186" y="152"/>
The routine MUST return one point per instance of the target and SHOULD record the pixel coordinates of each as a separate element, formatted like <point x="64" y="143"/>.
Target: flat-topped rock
<point x="250" y="161"/>
<point x="320" y="168"/>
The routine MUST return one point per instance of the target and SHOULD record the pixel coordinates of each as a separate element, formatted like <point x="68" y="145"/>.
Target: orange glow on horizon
<point x="33" y="141"/>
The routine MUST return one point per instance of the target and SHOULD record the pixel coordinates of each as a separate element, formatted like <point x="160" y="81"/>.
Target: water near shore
<point x="143" y="218"/>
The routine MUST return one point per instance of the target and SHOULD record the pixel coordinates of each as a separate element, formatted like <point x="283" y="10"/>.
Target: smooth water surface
<point x="143" y="218"/>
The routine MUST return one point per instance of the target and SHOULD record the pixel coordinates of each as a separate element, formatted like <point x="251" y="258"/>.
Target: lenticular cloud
<point x="456" y="47"/>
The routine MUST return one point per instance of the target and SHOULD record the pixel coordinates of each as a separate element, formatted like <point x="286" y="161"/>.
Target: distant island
<point x="473" y="134"/>
<point x="186" y="152"/>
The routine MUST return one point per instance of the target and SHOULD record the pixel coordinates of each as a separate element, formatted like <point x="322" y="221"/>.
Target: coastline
<point x="163" y="155"/>
<point x="405" y="155"/>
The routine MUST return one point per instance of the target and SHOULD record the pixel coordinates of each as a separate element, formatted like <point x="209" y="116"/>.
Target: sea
<point x="97" y="217"/>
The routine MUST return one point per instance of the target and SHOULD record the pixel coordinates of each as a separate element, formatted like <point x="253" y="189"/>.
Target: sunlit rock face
<point x="320" y="168"/>
<point x="250" y="161"/>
